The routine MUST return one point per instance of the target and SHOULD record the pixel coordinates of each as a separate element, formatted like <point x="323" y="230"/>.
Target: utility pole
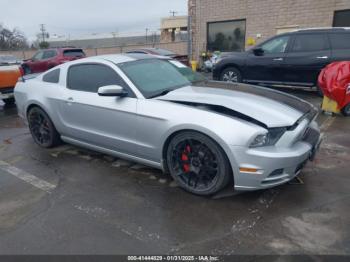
<point x="115" y="34"/>
<point x="43" y="31"/>
<point x="173" y="12"/>
<point x="146" y="34"/>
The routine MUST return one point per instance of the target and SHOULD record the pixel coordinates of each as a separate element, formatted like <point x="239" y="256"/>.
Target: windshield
<point x="8" y="59"/>
<point x="153" y="77"/>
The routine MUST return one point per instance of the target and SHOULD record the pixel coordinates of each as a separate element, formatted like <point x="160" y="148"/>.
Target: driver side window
<point x="276" y="45"/>
<point x="38" y="56"/>
<point x="90" y="77"/>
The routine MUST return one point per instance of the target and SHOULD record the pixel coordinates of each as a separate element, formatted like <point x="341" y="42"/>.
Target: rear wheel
<point x="197" y="163"/>
<point x="42" y="129"/>
<point x="9" y="101"/>
<point x="346" y="110"/>
<point x="231" y="74"/>
<point x="319" y="91"/>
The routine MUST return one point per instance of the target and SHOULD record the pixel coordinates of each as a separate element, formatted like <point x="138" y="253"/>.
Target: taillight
<point x="21" y="71"/>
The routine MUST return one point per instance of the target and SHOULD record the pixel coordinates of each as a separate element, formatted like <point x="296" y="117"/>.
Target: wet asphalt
<point x="102" y="205"/>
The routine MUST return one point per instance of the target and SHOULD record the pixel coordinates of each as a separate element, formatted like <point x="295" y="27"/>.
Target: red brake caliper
<point x="184" y="157"/>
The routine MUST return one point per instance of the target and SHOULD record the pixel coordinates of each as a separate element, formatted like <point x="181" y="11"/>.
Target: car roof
<point x="118" y="58"/>
<point x="61" y="48"/>
<point x="318" y="30"/>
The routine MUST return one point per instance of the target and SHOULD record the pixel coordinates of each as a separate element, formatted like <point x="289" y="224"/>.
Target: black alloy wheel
<point x="197" y="163"/>
<point x="42" y="129"/>
<point x="232" y="75"/>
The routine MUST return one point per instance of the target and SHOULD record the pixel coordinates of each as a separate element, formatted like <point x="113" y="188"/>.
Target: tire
<point x="9" y="101"/>
<point x="42" y="129"/>
<point x="197" y="163"/>
<point x="26" y="70"/>
<point x="231" y="74"/>
<point x="346" y="110"/>
<point x="319" y="91"/>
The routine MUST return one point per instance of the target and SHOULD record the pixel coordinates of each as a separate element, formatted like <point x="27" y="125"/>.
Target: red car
<point x="162" y="52"/>
<point x="48" y="58"/>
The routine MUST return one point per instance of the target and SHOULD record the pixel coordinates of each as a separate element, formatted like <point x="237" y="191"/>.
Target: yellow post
<point x="330" y="105"/>
<point x="194" y="65"/>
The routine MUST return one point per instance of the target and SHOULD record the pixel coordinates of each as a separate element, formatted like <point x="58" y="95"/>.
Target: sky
<point x="79" y="17"/>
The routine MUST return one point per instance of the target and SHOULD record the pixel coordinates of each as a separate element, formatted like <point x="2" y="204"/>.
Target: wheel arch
<point x="31" y="105"/>
<point x="235" y="65"/>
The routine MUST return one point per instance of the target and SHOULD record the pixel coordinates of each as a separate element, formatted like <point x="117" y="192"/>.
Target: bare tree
<point x="12" y="39"/>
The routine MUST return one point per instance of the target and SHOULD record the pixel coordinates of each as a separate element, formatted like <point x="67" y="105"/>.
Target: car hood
<point x="272" y="108"/>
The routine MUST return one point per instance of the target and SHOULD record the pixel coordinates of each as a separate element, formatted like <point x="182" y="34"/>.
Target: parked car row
<point x="236" y="135"/>
<point x="244" y="137"/>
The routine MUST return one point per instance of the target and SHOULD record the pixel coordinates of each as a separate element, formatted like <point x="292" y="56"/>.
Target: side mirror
<point x="112" y="90"/>
<point x="258" y="51"/>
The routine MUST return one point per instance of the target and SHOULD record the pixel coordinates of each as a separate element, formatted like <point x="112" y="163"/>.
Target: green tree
<point x="44" y="45"/>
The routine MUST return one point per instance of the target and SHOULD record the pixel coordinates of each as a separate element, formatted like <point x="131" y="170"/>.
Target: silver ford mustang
<point x="156" y="111"/>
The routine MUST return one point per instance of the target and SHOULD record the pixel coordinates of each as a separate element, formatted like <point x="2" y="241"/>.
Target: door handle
<point x="278" y="59"/>
<point x="322" y="57"/>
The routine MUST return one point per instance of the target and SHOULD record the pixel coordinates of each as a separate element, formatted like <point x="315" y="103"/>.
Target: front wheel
<point x="231" y="74"/>
<point x="42" y="129"/>
<point x="197" y="163"/>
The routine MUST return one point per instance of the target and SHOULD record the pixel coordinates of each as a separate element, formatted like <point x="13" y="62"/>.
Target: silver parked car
<point x="156" y="111"/>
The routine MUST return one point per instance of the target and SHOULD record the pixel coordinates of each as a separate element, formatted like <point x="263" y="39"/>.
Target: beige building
<point x="173" y="28"/>
<point x="233" y="25"/>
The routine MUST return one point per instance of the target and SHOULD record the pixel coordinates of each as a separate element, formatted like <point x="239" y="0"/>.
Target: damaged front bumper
<point x="271" y="166"/>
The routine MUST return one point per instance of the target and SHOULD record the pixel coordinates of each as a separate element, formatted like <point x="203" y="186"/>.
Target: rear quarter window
<point x="52" y="76"/>
<point x="340" y="41"/>
<point x="310" y="43"/>
<point x="74" y="53"/>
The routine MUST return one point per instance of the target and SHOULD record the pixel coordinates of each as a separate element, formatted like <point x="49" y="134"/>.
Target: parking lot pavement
<point x="68" y="200"/>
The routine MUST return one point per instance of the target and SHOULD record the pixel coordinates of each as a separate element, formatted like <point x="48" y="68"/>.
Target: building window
<point x="226" y="36"/>
<point x="341" y="18"/>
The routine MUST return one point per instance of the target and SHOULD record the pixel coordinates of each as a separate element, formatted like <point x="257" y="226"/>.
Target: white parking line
<point x="25" y="176"/>
<point x="327" y="123"/>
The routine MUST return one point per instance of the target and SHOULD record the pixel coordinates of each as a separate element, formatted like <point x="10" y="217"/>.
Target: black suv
<point x="290" y="59"/>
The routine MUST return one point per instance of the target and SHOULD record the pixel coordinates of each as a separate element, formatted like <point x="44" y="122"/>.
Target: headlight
<point x="269" y="138"/>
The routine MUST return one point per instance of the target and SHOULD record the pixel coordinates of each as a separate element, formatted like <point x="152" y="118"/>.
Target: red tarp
<point x="334" y="80"/>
